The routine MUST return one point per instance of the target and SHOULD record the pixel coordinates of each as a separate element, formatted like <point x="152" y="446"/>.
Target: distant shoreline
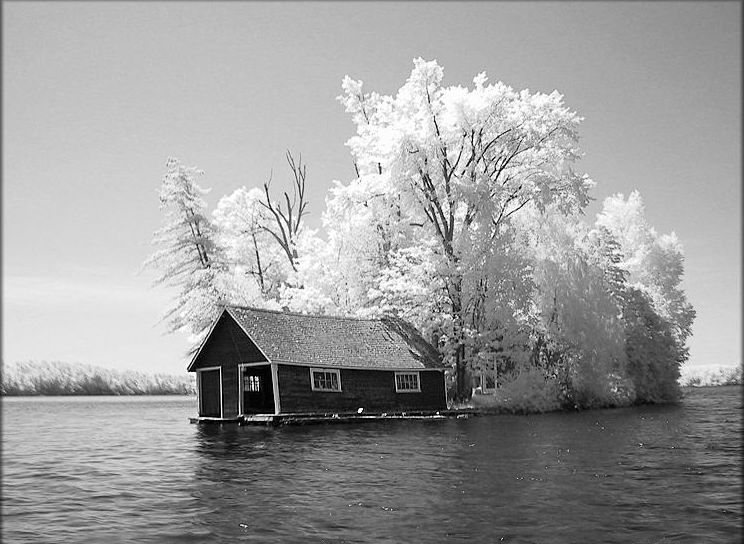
<point x="711" y="385"/>
<point x="711" y="376"/>
<point x="61" y="379"/>
<point x="36" y="395"/>
<point x="193" y="395"/>
<point x="58" y="378"/>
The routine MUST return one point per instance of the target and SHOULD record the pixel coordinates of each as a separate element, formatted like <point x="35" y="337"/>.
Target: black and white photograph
<point x="372" y="272"/>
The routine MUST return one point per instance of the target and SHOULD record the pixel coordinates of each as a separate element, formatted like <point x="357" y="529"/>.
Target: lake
<point x="133" y="469"/>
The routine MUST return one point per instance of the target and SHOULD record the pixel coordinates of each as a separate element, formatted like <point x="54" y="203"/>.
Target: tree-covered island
<point x="466" y="218"/>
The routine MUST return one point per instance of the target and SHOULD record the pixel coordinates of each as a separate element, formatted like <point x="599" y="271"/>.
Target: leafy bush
<point x="523" y="392"/>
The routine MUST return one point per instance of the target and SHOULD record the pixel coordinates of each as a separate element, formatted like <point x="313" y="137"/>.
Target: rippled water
<point x="133" y="469"/>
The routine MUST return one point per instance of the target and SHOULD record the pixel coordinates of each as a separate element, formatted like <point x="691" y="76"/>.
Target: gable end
<point x="226" y="344"/>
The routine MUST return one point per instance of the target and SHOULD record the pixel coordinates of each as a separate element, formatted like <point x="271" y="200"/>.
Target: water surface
<point x="132" y="469"/>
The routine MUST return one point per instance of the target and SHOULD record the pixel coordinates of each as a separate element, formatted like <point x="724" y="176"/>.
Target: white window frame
<point x="484" y="376"/>
<point x="411" y="373"/>
<point x="335" y="371"/>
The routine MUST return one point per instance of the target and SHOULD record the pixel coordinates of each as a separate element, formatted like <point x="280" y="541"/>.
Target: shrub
<point x="523" y="392"/>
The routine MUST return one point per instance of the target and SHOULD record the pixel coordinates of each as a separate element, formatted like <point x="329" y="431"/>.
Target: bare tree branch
<point x="288" y="220"/>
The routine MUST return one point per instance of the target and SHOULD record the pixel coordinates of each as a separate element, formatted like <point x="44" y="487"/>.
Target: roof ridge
<point x="299" y="314"/>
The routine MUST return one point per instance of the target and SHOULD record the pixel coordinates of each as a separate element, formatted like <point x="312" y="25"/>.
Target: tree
<point x="250" y="252"/>
<point x="464" y="161"/>
<point x="579" y="335"/>
<point x="188" y="258"/>
<point x="654" y="354"/>
<point x="657" y="316"/>
<point x="246" y="256"/>
<point x="654" y="262"/>
<point x="287" y="216"/>
<point x="366" y="238"/>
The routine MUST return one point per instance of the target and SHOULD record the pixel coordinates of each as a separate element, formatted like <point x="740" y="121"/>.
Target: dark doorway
<point x="209" y="393"/>
<point x="258" y="390"/>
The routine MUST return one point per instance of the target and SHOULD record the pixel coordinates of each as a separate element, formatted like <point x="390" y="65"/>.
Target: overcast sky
<point x="97" y="95"/>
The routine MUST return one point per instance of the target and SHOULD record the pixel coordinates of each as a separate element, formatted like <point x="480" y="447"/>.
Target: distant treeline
<point x="60" y="378"/>
<point x="703" y="377"/>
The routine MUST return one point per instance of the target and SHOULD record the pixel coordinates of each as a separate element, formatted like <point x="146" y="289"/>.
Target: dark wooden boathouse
<point x="267" y="362"/>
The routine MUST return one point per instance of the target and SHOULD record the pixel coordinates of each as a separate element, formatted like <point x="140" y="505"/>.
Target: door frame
<point x="274" y="385"/>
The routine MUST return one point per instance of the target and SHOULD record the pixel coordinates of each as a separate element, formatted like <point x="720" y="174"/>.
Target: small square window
<point x="407" y="382"/>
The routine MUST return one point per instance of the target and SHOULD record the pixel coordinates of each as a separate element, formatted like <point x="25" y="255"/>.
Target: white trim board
<point x="275" y="383"/>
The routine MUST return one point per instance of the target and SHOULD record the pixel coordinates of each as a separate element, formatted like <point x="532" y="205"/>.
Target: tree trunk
<point x="462" y="390"/>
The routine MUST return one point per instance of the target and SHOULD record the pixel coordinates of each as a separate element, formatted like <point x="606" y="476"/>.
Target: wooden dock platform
<point x="214" y="420"/>
<point x="274" y="420"/>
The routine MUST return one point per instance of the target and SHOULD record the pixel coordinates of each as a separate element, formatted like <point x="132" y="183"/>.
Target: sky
<point x="97" y="95"/>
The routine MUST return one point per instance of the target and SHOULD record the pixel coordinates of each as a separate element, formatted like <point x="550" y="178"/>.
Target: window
<point x="252" y="383"/>
<point x="486" y="381"/>
<point x="407" y="382"/>
<point x="325" y="380"/>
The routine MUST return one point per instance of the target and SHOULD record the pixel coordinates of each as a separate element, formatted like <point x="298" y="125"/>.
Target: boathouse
<point x="256" y="361"/>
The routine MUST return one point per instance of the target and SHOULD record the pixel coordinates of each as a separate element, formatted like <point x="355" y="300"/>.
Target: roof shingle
<point x="388" y="343"/>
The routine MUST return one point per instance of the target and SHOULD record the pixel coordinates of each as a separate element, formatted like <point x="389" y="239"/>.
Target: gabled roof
<point x="388" y="343"/>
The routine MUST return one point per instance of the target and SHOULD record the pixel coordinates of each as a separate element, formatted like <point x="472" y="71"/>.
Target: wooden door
<point x="210" y="404"/>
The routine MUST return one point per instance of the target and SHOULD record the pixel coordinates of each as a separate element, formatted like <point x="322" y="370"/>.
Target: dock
<point x="275" y="420"/>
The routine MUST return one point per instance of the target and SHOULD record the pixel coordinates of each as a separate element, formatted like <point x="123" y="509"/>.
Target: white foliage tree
<point x="259" y="266"/>
<point x="247" y="255"/>
<point x="365" y="229"/>
<point x="310" y="287"/>
<point x="500" y="312"/>
<point x="580" y="333"/>
<point x="187" y="259"/>
<point x="654" y="262"/>
<point x="463" y="162"/>
<point x="658" y="318"/>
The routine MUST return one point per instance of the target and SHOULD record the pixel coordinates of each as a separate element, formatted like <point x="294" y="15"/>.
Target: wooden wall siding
<point x="227" y="344"/>
<point x="373" y="390"/>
